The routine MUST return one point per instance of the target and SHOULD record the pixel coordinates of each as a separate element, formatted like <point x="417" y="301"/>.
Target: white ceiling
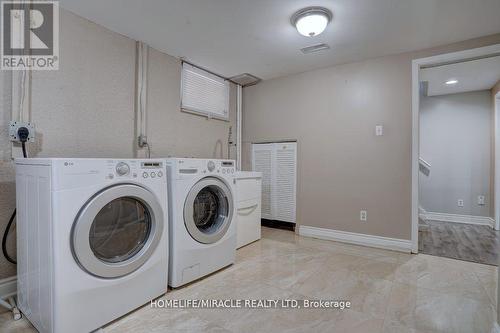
<point x="471" y="75"/>
<point x="255" y="36"/>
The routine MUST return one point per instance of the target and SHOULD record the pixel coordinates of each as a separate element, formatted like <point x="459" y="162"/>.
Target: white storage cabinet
<point x="248" y="197"/>
<point x="278" y="164"/>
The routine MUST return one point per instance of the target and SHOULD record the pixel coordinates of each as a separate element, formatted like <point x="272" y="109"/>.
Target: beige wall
<point x="342" y="166"/>
<point x="460" y="164"/>
<point x="495" y="90"/>
<point x="7" y="187"/>
<point x="175" y="133"/>
<point x="86" y="108"/>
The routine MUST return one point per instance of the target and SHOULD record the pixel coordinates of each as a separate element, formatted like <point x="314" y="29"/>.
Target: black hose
<point x="4" y="239"/>
<point x="23" y="145"/>
<point x="9" y="225"/>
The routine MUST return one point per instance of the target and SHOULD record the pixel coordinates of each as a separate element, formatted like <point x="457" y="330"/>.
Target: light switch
<point x="379" y="130"/>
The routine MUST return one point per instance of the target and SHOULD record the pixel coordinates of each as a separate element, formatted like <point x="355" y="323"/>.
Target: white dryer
<point x="92" y="240"/>
<point x="202" y="211"/>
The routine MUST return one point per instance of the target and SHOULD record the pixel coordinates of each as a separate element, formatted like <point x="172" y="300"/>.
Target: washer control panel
<point x="190" y="167"/>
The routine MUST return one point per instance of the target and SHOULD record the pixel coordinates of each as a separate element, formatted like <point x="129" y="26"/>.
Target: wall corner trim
<point x="8" y="287"/>
<point x="395" y="244"/>
<point x="456" y="218"/>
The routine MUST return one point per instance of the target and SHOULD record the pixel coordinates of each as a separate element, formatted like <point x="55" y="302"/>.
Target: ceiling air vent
<point x="245" y="79"/>
<point x="315" y="48"/>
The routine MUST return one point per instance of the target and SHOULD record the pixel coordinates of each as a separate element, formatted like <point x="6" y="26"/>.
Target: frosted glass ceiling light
<point x="451" y="82"/>
<point x="311" y="21"/>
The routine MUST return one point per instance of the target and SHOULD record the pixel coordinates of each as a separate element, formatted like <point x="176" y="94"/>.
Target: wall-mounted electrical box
<point x="14" y="127"/>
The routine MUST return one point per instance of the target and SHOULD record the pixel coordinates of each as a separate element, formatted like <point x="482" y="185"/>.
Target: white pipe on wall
<point x="21" y="92"/>
<point x="239" y="100"/>
<point x="21" y="96"/>
<point x="141" y="96"/>
<point x="21" y="103"/>
<point x="21" y="88"/>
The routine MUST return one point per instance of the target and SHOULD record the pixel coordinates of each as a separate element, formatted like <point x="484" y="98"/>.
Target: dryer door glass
<point x="117" y="230"/>
<point x="208" y="210"/>
<point x="120" y="230"/>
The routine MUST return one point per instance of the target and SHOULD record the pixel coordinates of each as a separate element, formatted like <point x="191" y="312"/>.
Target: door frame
<point x="496" y="204"/>
<point x="417" y="64"/>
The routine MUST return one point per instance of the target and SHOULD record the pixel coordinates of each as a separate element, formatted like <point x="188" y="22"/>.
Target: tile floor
<point x="389" y="291"/>
<point x="476" y="243"/>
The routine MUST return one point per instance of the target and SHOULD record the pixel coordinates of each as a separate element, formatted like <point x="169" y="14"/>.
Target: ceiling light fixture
<point x="451" y="82"/>
<point x="311" y="21"/>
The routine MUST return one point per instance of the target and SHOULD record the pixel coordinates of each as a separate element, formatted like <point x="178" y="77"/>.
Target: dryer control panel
<point x="77" y="172"/>
<point x="227" y="167"/>
<point x="152" y="169"/>
<point x="133" y="169"/>
<point x="220" y="166"/>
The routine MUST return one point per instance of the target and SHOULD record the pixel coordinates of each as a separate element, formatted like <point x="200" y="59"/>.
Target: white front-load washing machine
<point x="201" y="214"/>
<point x="92" y="240"/>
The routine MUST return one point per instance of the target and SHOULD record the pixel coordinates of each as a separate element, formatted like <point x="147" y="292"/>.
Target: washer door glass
<point x="208" y="210"/>
<point x="117" y="230"/>
<point x="120" y="230"/>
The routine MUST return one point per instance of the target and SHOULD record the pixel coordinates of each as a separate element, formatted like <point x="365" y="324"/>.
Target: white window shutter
<point x="278" y="164"/>
<point x="262" y="156"/>
<point x="204" y="93"/>
<point x="285" y="180"/>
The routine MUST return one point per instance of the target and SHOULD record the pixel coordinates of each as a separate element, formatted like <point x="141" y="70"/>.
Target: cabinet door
<point x="285" y="182"/>
<point x="248" y="218"/>
<point x="262" y="161"/>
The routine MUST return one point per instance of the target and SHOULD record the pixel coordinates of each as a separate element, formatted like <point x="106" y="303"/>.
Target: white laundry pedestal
<point x="248" y="203"/>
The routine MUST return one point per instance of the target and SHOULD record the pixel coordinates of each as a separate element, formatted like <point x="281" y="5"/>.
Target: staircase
<point x="425" y="168"/>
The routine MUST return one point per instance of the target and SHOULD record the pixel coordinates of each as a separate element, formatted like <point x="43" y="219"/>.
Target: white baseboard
<point x="469" y="219"/>
<point x="401" y="245"/>
<point x="423" y="217"/>
<point x="8" y="287"/>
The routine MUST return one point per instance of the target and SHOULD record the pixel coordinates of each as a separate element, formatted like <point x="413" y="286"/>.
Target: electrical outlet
<point x="363" y="215"/>
<point x="379" y="130"/>
<point x="460" y="202"/>
<point x="14" y="127"/>
<point x="480" y="200"/>
<point x="142" y="141"/>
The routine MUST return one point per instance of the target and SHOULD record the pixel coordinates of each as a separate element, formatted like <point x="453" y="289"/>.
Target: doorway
<point x="496" y="102"/>
<point x="458" y="225"/>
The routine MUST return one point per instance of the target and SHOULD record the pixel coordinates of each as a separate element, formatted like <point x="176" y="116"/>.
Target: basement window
<point x="204" y="93"/>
